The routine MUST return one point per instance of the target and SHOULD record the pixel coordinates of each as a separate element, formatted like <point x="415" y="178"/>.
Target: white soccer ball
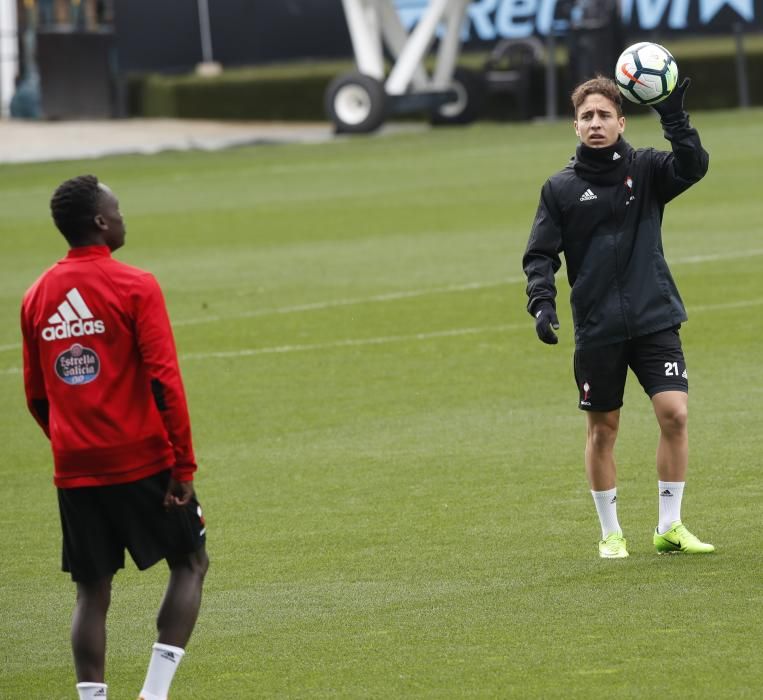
<point x="646" y="73"/>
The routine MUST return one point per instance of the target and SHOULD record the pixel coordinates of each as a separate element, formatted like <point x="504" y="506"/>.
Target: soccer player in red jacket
<point x="102" y="380"/>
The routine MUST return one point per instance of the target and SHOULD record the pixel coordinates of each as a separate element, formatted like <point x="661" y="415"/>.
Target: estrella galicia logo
<point x="77" y="365"/>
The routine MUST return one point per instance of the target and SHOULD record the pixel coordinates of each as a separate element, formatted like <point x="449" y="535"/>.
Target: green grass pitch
<point x="391" y="463"/>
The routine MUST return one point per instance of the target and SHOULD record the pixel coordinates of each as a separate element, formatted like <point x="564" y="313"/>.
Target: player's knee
<point x="95" y="593"/>
<point x="201" y="563"/>
<point x="196" y="563"/>
<point x="674" y="419"/>
<point x="602" y="436"/>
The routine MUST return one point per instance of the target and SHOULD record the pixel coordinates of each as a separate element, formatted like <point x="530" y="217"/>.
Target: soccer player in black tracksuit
<point x="604" y="212"/>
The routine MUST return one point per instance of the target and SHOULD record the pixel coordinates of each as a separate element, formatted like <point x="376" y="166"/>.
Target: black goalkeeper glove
<point x="673" y="104"/>
<point x="545" y="320"/>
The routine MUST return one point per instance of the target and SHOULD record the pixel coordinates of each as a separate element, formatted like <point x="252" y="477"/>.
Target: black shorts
<point x="100" y="522"/>
<point x="657" y="360"/>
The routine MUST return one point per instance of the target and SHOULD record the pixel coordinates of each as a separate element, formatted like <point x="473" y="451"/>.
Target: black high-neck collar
<point x="603" y="166"/>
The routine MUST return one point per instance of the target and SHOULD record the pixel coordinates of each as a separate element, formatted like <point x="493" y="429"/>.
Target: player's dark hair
<point x="597" y="86"/>
<point x="74" y="206"/>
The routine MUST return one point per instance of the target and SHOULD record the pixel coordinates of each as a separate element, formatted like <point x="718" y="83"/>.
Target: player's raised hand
<point x="545" y="321"/>
<point x="178" y="494"/>
<point x="674" y="102"/>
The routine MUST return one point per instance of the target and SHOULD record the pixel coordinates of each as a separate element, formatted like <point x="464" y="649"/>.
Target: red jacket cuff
<point x="183" y="472"/>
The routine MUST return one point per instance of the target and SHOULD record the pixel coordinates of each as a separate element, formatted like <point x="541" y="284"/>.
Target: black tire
<point x="470" y="89"/>
<point x="355" y="103"/>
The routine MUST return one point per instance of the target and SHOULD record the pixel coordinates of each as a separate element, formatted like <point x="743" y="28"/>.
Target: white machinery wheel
<point x="469" y="87"/>
<point x="356" y="103"/>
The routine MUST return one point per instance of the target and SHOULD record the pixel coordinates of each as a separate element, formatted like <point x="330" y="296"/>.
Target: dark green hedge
<point x="244" y="94"/>
<point x="296" y="93"/>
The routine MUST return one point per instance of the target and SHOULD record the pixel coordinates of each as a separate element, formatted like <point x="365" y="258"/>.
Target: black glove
<point x="545" y="320"/>
<point x="673" y="104"/>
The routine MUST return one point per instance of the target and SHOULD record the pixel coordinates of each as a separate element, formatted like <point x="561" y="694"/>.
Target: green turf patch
<point x="391" y="463"/>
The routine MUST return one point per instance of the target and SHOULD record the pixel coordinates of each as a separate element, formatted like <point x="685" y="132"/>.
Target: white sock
<point x="606" y="507"/>
<point x="92" y="691"/>
<point x="161" y="670"/>
<point x="671" y="494"/>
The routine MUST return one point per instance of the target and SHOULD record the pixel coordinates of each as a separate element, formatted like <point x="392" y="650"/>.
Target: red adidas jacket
<point x="101" y="372"/>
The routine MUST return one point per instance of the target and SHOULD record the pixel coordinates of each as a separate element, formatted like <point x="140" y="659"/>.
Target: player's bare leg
<point x="89" y="629"/>
<point x="600" y="449"/>
<point x="182" y="600"/>
<point x="601" y="470"/>
<point x="672" y="411"/>
<point x="175" y="622"/>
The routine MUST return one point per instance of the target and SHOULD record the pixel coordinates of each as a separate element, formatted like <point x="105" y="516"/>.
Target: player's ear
<point x="100" y="222"/>
<point x="575" y="126"/>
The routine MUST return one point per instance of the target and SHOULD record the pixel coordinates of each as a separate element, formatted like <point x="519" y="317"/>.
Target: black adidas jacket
<point x="611" y="239"/>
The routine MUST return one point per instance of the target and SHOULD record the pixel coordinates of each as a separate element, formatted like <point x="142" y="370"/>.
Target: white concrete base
<point x="35" y="141"/>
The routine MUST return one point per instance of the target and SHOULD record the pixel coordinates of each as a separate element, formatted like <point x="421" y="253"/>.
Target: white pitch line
<point x="382" y="340"/>
<point x="319" y="305"/>
<point x="334" y="303"/>
<point x="737" y="255"/>
<point x="413" y="293"/>
<point x="351" y="342"/>
<point x="357" y="342"/>
<point x="725" y="305"/>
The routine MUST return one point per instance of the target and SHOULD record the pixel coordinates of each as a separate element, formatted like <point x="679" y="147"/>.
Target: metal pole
<point x="396" y="36"/>
<point x="206" y="32"/>
<point x="362" y="22"/>
<point x="447" y="54"/>
<point x="421" y="38"/>
<point x="8" y="54"/>
<point x="741" y="63"/>
<point x="26" y="102"/>
<point x="551" y="74"/>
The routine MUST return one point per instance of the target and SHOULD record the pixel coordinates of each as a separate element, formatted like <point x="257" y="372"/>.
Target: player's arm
<point x="157" y="348"/>
<point x="541" y="262"/>
<point x="34" y="381"/>
<point x="688" y="161"/>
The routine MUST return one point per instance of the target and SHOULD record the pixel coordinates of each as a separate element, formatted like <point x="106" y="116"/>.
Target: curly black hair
<point x="74" y="206"/>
